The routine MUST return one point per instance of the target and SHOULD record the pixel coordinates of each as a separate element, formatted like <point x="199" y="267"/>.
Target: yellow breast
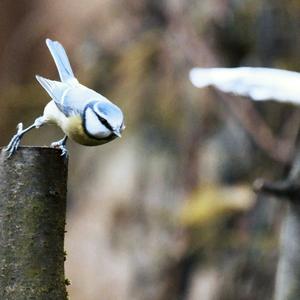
<point x="73" y="128"/>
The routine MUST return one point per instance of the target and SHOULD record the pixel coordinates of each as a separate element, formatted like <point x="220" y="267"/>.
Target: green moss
<point x="67" y="282"/>
<point x="65" y="255"/>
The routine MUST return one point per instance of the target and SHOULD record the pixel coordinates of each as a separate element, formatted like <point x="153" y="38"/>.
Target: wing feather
<point x="57" y="91"/>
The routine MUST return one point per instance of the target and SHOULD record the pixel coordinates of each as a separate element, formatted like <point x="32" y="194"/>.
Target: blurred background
<point x="167" y="212"/>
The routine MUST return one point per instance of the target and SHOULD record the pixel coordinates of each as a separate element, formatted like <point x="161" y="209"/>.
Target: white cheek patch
<point x="110" y="112"/>
<point x="94" y="127"/>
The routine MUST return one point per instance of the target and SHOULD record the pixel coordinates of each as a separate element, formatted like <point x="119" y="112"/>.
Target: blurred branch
<point x="288" y="275"/>
<point x="280" y="149"/>
<point x="198" y="53"/>
<point x="279" y="189"/>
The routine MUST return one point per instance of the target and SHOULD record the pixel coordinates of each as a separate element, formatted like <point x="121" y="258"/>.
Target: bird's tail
<point x="61" y="61"/>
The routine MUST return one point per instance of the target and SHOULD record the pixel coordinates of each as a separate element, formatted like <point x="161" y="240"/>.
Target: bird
<point x="84" y="115"/>
<point x="258" y="83"/>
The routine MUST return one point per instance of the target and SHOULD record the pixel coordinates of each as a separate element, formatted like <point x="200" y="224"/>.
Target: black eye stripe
<point x="104" y="122"/>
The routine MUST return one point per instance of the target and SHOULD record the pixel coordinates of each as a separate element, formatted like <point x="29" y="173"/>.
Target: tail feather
<point x="61" y="60"/>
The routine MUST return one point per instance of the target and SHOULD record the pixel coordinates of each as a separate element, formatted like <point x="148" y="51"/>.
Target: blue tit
<point x="84" y="115"/>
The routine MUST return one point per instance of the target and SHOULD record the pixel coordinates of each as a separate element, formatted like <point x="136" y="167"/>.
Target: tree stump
<point x="33" y="188"/>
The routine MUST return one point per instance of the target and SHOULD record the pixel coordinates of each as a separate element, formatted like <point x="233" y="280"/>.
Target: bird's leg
<point x="61" y="145"/>
<point x="15" y="141"/>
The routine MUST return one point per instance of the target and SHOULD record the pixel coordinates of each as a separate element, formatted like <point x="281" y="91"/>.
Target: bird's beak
<point x="117" y="133"/>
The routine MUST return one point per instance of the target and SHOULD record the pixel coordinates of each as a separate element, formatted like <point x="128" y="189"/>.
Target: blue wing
<point x="69" y="95"/>
<point x="56" y="91"/>
<point x="70" y="100"/>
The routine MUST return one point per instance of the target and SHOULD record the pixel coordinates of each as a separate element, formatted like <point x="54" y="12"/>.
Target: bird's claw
<point x="64" y="151"/>
<point x="60" y="145"/>
<point x="13" y="145"/>
<point x="19" y="128"/>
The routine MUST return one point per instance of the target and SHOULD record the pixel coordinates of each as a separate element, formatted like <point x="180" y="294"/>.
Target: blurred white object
<point x="257" y="83"/>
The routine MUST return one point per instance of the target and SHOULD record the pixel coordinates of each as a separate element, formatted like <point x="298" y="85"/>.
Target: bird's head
<point x="103" y="120"/>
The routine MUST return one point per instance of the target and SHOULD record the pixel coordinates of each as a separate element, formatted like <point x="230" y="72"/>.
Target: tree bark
<point x="33" y="186"/>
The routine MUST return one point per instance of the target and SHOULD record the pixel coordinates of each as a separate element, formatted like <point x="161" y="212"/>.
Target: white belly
<point x="53" y="115"/>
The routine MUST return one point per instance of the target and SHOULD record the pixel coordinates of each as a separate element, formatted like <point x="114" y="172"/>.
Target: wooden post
<point x="33" y="186"/>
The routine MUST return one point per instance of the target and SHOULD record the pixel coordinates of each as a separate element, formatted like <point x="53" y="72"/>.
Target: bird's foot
<point x="60" y="145"/>
<point x="13" y="145"/>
